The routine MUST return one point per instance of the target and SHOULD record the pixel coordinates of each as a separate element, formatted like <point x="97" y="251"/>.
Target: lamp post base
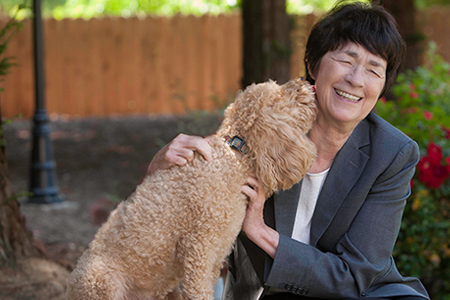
<point x="43" y="178"/>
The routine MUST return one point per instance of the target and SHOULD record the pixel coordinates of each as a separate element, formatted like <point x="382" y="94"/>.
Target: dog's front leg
<point x="175" y="295"/>
<point x="199" y="270"/>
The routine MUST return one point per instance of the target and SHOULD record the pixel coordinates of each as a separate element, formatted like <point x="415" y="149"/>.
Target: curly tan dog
<point x="169" y="238"/>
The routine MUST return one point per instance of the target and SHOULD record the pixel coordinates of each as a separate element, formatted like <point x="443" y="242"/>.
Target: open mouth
<point x="348" y="96"/>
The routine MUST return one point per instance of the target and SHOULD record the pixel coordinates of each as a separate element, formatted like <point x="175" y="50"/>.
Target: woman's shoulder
<point x="387" y="141"/>
<point x="382" y="129"/>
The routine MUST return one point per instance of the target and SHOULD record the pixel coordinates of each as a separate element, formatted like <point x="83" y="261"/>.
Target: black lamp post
<point x="43" y="177"/>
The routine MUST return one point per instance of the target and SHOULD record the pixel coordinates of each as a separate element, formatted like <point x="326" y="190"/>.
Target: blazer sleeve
<point x="362" y="257"/>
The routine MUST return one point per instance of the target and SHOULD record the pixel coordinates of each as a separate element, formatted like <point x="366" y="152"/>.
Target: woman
<point x="331" y="236"/>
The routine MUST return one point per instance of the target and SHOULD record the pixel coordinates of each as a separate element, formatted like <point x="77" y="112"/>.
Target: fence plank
<point x="165" y="66"/>
<point x="152" y="63"/>
<point x="207" y="89"/>
<point x="23" y="80"/>
<point x="95" y="76"/>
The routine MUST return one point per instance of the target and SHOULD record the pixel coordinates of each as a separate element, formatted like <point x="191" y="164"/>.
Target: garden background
<point x="122" y="84"/>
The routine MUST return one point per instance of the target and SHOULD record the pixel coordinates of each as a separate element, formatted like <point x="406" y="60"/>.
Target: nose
<point x="355" y="76"/>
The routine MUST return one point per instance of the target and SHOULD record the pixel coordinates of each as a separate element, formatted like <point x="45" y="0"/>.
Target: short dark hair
<point x="368" y="25"/>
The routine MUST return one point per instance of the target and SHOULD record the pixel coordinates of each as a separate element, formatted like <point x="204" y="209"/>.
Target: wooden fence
<point x="154" y="65"/>
<point x="125" y="66"/>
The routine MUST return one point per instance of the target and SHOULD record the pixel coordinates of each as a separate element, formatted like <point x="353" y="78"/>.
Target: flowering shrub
<point x="422" y="111"/>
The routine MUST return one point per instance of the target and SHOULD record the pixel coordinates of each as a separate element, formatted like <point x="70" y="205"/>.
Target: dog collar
<point x="236" y="143"/>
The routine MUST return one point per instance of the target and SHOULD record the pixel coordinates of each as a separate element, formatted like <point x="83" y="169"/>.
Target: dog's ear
<point x="283" y="155"/>
<point x="280" y="147"/>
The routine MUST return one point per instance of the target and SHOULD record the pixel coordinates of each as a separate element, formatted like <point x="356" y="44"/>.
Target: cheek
<point x="376" y="88"/>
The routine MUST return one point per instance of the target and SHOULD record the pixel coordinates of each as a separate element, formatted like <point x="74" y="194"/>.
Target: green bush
<point x="422" y="111"/>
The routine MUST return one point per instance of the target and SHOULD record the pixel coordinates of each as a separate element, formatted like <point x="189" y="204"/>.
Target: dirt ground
<point x="99" y="163"/>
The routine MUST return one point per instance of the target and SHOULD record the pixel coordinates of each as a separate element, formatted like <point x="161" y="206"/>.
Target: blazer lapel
<point x="345" y="171"/>
<point x="285" y="204"/>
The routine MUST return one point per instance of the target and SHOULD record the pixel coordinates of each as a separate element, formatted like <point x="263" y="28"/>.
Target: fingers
<point x="177" y="155"/>
<point x="183" y="146"/>
<point x="179" y="152"/>
<point x="254" y="184"/>
<point x="254" y="190"/>
<point x="249" y="192"/>
<point x="195" y="143"/>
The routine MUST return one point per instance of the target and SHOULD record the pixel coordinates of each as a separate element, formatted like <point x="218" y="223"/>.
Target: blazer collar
<point x="344" y="172"/>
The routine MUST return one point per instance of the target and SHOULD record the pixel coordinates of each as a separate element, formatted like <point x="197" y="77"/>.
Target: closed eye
<point x="376" y="73"/>
<point x="345" y="63"/>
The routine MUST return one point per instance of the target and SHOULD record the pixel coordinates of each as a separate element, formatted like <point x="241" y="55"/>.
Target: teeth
<point x="348" y="96"/>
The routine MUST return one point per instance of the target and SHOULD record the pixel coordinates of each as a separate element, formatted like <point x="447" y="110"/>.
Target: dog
<point x="169" y="239"/>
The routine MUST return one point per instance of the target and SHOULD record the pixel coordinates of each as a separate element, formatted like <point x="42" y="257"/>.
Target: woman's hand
<point x="255" y="228"/>
<point x="179" y="152"/>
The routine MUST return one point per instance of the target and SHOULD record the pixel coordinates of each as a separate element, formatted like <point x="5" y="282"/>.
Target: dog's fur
<point x="169" y="238"/>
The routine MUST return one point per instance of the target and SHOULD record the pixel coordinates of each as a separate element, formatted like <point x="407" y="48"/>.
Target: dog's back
<point x="178" y="225"/>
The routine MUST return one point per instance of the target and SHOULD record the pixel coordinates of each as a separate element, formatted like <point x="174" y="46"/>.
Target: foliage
<point x="92" y="8"/>
<point x="127" y="8"/>
<point x="6" y="33"/>
<point x="311" y="6"/>
<point x="422" y="110"/>
<point x="421" y="4"/>
<point x="89" y="8"/>
<point x="15" y="9"/>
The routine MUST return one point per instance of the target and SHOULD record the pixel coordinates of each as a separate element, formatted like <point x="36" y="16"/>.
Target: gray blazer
<point x="353" y="230"/>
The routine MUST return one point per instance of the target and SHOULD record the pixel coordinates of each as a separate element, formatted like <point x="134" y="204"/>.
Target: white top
<point x="311" y="186"/>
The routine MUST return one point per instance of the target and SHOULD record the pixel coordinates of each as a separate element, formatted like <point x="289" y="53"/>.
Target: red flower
<point x="414" y="95"/>
<point x="430" y="173"/>
<point x="447" y="132"/>
<point x="427" y="115"/>
<point x="412" y="87"/>
<point x="434" y="154"/>
<point x="425" y="168"/>
<point x="412" y="110"/>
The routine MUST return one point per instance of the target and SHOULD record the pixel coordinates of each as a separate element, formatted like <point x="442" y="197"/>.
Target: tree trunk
<point x="404" y="12"/>
<point x="16" y="240"/>
<point x="25" y="272"/>
<point x="266" y="41"/>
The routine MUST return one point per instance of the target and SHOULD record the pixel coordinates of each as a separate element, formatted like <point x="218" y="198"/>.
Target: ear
<point x="282" y="151"/>
<point x="283" y="155"/>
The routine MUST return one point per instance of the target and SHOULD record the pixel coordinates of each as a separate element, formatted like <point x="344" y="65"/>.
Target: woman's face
<point x="348" y="84"/>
